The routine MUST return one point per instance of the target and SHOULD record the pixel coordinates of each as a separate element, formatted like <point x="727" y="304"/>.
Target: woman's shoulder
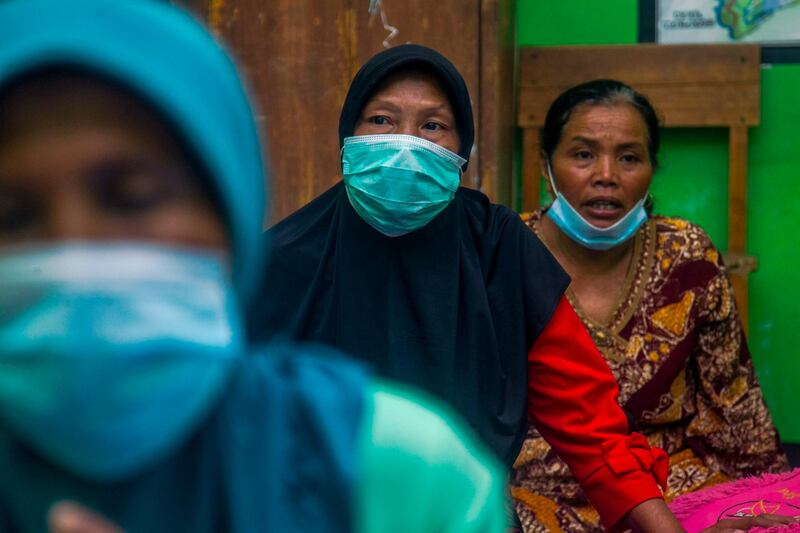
<point x="670" y="224"/>
<point x="532" y="218"/>
<point x="491" y="217"/>
<point x="678" y="236"/>
<point x="300" y="362"/>
<point x="476" y="201"/>
<point x="682" y="250"/>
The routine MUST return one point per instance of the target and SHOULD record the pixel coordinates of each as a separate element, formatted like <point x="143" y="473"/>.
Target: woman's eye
<point x="583" y="154"/>
<point x="379" y="120"/>
<point x="630" y="158"/>
<point x="432" y="126"/>
<point x="132" y="188"/>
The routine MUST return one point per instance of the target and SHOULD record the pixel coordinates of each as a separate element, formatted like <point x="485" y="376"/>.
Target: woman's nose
<point x="606" y="172"/>
<point x="407" y="128"/>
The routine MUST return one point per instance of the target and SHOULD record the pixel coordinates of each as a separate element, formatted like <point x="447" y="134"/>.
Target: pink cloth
<point x="767" y="494"/>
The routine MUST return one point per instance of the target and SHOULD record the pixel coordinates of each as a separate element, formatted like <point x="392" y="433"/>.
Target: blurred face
<point x="411" y="103"/>
<point x="601" y="165"/>
<point x="82" y="161"/>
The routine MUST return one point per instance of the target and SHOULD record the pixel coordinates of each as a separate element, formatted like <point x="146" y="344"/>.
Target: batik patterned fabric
<point x="675" y="344"/>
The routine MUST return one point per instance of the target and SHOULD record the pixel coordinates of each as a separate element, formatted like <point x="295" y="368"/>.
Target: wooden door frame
<point x="497" y="99"/>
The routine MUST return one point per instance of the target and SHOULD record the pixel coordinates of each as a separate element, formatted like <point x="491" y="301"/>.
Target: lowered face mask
<point x="399" y="183"/>
<point x="110" y="354"/>
<point x="587" y="234"/>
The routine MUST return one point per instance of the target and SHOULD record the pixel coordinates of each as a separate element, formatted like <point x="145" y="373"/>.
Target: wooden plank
<point x="449" y="26"/>
<point x="741" y="296"/>
<point x="737" y="189"/>
<point x="737" y="213"/>
<point x="690" y="85"/>
<point x="298" y="55"/>
<point x="497" y="113"/>
<point x="531" y="173"/>
<point x="688" y="105"/>
<point x="640" y="64"/>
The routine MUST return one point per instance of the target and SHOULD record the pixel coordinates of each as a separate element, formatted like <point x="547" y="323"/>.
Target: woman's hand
<point x="69" y="517"/>
<point x="653" y="516"/>
<point x="739" y="525"/>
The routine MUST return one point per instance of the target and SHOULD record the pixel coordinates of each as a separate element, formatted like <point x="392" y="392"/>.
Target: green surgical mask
<point x="399" y="183"/>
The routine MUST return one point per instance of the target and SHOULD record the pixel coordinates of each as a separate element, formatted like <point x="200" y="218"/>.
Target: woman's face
<point x="601" y="164"/>
<point x="86" y="162"/>
<point x="411" y="103"/>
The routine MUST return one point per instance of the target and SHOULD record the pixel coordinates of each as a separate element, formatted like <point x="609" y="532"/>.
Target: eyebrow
<point x="381" y="103"/>
<point x="594" y="142"/>
<point x="389" y="105"/>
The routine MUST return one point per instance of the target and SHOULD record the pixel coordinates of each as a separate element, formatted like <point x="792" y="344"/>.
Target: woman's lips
<point x="605" y="209"/>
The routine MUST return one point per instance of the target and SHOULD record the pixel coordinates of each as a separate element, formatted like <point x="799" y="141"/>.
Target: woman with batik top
<point x="655" y="297"/>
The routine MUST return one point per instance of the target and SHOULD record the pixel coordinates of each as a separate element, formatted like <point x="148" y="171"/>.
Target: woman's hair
<point x="599" y="92"/>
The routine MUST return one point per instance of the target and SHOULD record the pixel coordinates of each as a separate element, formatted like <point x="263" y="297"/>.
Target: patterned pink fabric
<point x="767" y="494"/>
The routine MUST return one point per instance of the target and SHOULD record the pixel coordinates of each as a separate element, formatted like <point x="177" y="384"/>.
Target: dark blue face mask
<point x="111" y="353"/>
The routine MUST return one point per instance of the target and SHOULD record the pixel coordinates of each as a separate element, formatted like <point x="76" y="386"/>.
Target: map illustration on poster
<point x="775" y="24"/>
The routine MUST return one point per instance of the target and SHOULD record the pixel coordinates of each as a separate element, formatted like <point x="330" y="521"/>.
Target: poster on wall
<point x="775" y="24"/>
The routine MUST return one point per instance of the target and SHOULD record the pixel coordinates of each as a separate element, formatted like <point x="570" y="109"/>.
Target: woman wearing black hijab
<point x="431" y="283"/>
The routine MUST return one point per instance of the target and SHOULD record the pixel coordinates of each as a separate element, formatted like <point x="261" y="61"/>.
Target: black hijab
<point x="453" y="307"/>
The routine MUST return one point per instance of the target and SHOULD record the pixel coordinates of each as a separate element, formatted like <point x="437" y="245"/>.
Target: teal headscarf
<point x="245" y="468"/>
<point x="171" y="62"/>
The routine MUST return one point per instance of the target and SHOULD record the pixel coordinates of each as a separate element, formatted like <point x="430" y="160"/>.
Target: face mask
<point x="586" y="234"/>
<point x="399" y="183"/>
<point x="111" y="354"/>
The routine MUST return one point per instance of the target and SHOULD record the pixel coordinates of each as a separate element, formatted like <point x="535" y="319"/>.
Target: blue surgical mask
<point x="111" y="354"/>
<point x="399" y="183"/>
<point x="586" y="234"/>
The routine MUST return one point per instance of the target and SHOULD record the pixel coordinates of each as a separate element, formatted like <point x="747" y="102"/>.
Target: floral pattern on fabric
<point x="675" y="345"/>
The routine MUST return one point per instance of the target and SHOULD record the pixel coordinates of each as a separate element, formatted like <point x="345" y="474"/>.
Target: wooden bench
<point x="689" y="85"/>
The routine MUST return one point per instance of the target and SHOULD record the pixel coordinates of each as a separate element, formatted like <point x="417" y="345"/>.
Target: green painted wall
<point x="692" y="183"/>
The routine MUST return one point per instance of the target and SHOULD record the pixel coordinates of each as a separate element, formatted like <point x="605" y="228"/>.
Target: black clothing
<point x="453" y="307"/>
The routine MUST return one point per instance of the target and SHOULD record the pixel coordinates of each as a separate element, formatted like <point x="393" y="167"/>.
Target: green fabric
<point x="422" y="470"/>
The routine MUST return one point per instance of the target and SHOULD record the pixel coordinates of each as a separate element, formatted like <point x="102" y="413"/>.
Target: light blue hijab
<point x="171" y="61"/>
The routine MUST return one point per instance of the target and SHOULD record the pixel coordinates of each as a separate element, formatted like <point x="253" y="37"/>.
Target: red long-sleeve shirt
<point x="572" y="400"/>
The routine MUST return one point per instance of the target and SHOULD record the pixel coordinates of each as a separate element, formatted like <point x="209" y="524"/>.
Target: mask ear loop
<point x="550" y="178"/>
